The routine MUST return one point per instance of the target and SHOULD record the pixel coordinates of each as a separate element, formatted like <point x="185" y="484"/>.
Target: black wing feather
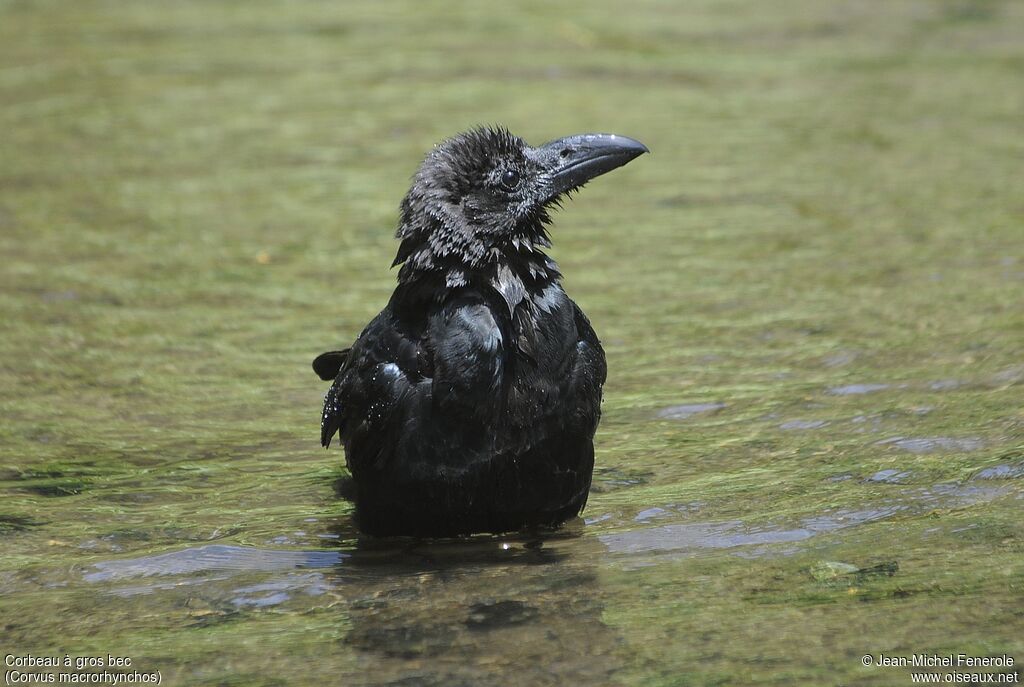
<point x="373" y="380"/>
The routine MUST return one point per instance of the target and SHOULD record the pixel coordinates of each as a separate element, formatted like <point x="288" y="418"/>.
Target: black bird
<point x="469" y="404"/>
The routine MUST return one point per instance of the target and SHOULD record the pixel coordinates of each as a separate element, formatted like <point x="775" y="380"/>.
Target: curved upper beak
<point x="574" y="160"/>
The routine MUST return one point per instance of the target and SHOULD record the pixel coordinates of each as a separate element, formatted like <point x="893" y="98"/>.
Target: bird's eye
<point x="510" y="179"/>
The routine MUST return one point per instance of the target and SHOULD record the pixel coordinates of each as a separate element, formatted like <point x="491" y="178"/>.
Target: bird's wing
<point x="378" y="373"/>
<point x="561" y="368"/>
<point x="467" y="345"/>
<point x="590" y="369"/>
<point x="401" y="379"/>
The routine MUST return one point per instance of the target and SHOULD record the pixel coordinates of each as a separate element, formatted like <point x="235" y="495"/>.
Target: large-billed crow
<point x="469" y="404"/>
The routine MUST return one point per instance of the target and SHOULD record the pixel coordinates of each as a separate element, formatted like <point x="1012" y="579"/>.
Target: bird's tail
<point x="328" y="365"/>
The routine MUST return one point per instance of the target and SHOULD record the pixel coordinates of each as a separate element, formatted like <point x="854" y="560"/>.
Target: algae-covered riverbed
<point x="811" y="295"/>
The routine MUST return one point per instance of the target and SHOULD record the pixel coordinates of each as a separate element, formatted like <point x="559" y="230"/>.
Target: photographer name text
<point x="938" y="661"/>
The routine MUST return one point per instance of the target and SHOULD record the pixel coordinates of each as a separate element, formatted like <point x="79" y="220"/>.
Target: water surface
<point x="811" y="295"/>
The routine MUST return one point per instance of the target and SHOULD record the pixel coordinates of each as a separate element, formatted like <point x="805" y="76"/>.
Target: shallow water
<point x="811" y="295"/>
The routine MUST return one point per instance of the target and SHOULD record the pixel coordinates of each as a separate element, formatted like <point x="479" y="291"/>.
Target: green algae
<point x="197" y="198"/>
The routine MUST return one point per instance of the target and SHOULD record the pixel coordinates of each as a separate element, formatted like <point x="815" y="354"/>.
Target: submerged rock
<point x="826" y="571"/>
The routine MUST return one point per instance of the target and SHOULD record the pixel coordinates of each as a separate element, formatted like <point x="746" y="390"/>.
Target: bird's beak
<point x="574" y="160"/>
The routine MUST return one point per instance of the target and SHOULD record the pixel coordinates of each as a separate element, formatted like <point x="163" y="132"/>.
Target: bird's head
<point x="480" y="201"/>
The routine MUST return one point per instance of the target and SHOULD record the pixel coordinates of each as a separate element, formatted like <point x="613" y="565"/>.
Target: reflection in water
<point x="480" y="611"/>
<point x="210" y="558"/>
<point x="477" y="611"/>
<point x="723" y="535"/>
<point x="691" y="536"/>
<point x="1001" y="472"/>
<point x="412" y="563"/>
<point x="934" y="444"/>
<point x="803" y="424"/>
<point x="856" y="389"/>
<point x="683" y="412"/>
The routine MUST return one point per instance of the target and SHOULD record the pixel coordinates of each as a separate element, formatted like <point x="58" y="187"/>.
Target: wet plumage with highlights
<point x="469" y="404"/>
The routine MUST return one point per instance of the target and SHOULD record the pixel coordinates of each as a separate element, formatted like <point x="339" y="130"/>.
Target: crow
<point x="469" y="404"/>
